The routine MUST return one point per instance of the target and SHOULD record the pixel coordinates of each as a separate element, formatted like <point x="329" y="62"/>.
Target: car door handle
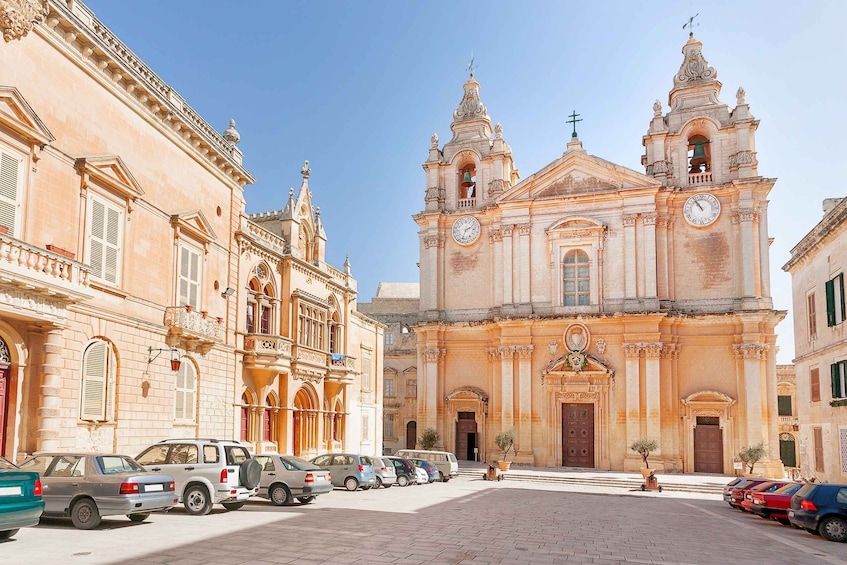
<point x="189" y="468"/>
<point x="272" y="474"/>
<point x="74" y="484"/>
<point x="157" y="469"/>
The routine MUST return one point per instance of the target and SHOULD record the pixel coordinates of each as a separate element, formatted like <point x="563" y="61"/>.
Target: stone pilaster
<point x="508" y="270"/>
<point x="632" y="354"/>
<point x="629" y="255"/>
<point x="523" y="294"/>
<point x="752" y="357"/>
<point x="525" y="397"/>
<point x="431" y="356"/>
<point x="650" y="267"/>
<point x="653" y="392"/>
<point x="50" y="402"/>
<point x="507" y="384"/>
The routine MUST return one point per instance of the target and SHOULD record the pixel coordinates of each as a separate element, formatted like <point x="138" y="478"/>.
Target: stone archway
<point x="711" y="410"/>
<point x="467" y="411"/>
<point x="305" y="429"/>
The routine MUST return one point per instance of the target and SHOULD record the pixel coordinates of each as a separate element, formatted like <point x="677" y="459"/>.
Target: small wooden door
<point x="465" y="429"/>
<point x="708" y="449"/>
<point x="411" y="434"/>
<point x="578" y="435"/>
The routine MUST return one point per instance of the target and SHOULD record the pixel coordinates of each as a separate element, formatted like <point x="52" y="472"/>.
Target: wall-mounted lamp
<point x="175" y="360"/>
<point x="228" y="292"/>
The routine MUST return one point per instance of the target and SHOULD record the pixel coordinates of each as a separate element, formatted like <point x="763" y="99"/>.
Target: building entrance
<point x="708" y="445"/>
<point x="578" y="435"/>
<point x="466" y="435"/>
<point x="4" y="405"/>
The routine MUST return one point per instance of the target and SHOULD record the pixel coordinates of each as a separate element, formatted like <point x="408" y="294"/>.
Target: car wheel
<point x="351" y="484"/>
<point x="6" y="534"/>
<point x="85" y="515"/>
<point x="250" y="473"/>
<point x="378" y="483"/>
<point x="232" y="505"/>
<point x="196" y="501"/>
<point x="279" y="495"/>
<point x="833" y="528"/>
<point x="403" y="480"/>
<point x="441" y="477"/>
<point x="140" y="517"/>
<point x="305" y="499"/>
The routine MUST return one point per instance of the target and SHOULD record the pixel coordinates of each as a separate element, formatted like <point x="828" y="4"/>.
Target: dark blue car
<point x="821" y="509"/>
<point x="430" y="469"/>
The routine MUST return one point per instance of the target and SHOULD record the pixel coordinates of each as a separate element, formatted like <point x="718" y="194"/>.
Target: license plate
<point x="153" y="488"/>
<point x="10" y="491"/>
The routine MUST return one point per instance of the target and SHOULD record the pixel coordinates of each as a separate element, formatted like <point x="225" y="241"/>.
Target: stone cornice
<point x="827" y="228"/>
<point x="83" y="38"/>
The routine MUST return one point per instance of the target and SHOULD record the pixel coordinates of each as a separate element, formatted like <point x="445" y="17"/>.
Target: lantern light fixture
<point x="175" y="357"/>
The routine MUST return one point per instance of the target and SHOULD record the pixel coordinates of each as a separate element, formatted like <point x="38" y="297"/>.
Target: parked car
<point x="736" y="493"/>
<point x="386" y="476"/>
<point x="349" y="470"/>
<point x="727" y="490"/>
<point x="88" y="486"/>
<point x="285" y="477"/>
<point x="431" y="472"/>
<point x="206" y="472"/>
<point x="406" y="471"/>
<point x="774" y="504"/>
<point x="767" y="486"/>
<point x="21" y="504"/>
<point x="821" y="508"/>
<point x="422" y="477"/>
<point x="444" y="461"/>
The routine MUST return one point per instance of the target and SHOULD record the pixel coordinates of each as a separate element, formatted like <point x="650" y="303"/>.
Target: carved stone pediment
<point x="194" y="225"/>
<point x="17" y="115"/>
<point x="18" y="17"/>
<point x="111" y="172"/>
<point x="576" y="183"/>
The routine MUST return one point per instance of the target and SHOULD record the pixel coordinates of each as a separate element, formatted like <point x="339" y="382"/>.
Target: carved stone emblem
<point x="18" y="17"/>
<point x="694" y="68"/>
<point x="601" y="346"/>
<point x="577" y="337"/>
<point x="471" y="106"/>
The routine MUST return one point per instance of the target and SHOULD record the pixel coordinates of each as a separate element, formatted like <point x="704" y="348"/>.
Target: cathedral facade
<point x="589" y="305"/>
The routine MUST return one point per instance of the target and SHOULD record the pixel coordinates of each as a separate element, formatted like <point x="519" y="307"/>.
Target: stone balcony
<point x="788" y="423"/>
<point x="341" y="368"/>
<point x="466" y="203"/>
<point x="695" y="179"/>
<point x="265" y="352"/>
<point x="191" y="330"/>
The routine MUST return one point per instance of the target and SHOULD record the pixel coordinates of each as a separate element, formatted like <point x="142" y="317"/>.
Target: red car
<point x="736" y="493"/>
<point x="770" y="486"/>
<point x="775" y="504"/>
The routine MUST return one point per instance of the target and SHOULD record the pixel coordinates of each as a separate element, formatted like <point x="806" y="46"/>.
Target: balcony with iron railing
<point x="191" y="330"/>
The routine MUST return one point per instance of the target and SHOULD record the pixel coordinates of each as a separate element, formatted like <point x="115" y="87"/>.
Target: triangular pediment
<point x="193" y="224"/>
<point x="564" y="365"/>
<point x="577" y="173"/>
<point x="17" y="115"/>
<point x="111" y="172"/>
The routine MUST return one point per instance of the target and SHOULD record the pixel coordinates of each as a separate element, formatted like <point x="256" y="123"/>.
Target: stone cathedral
<point x="589" y="305"/>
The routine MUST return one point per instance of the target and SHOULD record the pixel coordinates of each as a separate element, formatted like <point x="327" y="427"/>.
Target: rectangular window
<point x="784" y="405"/>
<point x="104" y="240"/>
<point x="815" y="383"/>
<point x="835" y="300"/>
<point x="388" y="385"/>
<point x="251" y="306"/>
<point x="189" y="277"/>
<point x="412" y="388"/>
<point x="389" y="339"/>
<point x="838" y="372"/>
<point x="11" y="169"/>
<point x="817" y="434"/>
<point x="312" y="325"/>
<point x="366" y="370"/>
<point x="810" y="310"/>
<point x="388" y="432"/>
<point x="366" y="427"/>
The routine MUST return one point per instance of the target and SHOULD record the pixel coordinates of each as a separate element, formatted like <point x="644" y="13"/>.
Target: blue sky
<point x="357" y="88"/>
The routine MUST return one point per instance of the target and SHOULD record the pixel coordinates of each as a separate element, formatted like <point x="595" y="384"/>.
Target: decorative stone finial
<point x="740" y="96"/>
<point x="657" y="108"/>
<point x="19" y="17"/>
<point x="230" y="134"/>
<point x="291" y="192"/>
<point x="695" y="68"/>
<point x="498" y="131"/>
<point x="318" y="212"/>
<point x="471" y="107"/>
<point x="433" y="139"/>
<point x="305" y="171"/>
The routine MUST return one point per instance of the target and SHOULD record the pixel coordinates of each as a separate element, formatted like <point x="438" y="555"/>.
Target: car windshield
<point x="117" y="464"/>
<point x="790" y="488"/>
<point x="300" y="464"/>
<point x="39" y="463"/>
<point x="6" y="464"/>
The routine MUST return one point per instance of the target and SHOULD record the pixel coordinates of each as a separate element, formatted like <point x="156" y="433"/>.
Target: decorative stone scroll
<point x="18" y="17"/>
<point x="434" y="242"/>
<point x="471" y="107"/>
<point x="745" y="157"/>
<point x="694" y="68"/>
<point x="432" y="354"/>
<point x="308" y="376"/>
<point x="750" y="350"/>
<point x="744" y="215"/>
<point x="632" y="350"/>
<point x="629" y="220"/>
<point x="434" y="194"/>
<point x="653" y="349"/>
<point x="496" y="187"/>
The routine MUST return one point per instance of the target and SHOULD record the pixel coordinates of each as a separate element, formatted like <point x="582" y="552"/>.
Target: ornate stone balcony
<point x="466" y="203"/>
<point x="341" y="368"/>
<point x="267" y="352"/>
<point x="788" y="423"/>
<point x="191" y="330"/>
<point x="699" y="178"/>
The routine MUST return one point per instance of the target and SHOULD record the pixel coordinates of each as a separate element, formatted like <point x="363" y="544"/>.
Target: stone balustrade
<point x="700" y="178"/>
<point x="19" y="258"/>
<point x="465" y="203"/>
<point x="198" y="324"/>
<point x="263" y="344"/>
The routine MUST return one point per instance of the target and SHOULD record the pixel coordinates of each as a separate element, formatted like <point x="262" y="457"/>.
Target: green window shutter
<point x="784" y="405"/>
<point x="838" y="290"/>
<point x="836" y="381"/>
<point x="830" y="303"/>
<point x="94" y="375"/>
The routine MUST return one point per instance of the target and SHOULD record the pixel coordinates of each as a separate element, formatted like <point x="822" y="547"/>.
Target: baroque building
<point x="817" y="267"/>
<point x="589" y="305"/>
<point x="138" y="300"/>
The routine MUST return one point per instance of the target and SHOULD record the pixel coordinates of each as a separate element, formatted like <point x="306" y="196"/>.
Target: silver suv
<point x="206" y="472"/>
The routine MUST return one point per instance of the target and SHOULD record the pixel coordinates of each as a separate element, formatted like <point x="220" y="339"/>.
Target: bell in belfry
<point x="467" y="180"/>
<point x="699" y="159"/>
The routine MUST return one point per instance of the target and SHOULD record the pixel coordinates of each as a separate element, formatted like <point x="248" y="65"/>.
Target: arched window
<point x="467" y="184"/>
<point x="268" y="420"/>
<point x="245" y="417"/>
<point x="97" y="390"/>
<point x="261" y="303"/>
<point x="699" y="155"/>
<point x="186" y="392"/>
<point x="576" y="280"/>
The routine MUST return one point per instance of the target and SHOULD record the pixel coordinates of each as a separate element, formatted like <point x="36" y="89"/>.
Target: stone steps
<point x="630" y="484"/>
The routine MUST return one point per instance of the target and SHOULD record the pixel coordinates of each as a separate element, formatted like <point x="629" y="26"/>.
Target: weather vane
<point x="573" y="121"/>
<point x="690" y="25"/>
<point x="470" y="65"/>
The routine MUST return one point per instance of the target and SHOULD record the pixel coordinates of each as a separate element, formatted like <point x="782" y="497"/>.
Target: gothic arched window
<point x="261" y="303"/>
<point x="576" y="280"/>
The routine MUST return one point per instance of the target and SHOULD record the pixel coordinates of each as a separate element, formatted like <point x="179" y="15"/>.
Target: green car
<point x="20" y="499"/>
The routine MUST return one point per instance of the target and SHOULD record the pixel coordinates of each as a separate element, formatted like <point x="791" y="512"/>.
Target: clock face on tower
<point x="701" y="209"/>
<point x="466" y="230"/>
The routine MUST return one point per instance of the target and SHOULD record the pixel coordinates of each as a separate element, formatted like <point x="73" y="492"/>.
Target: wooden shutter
<point x="815" y="381"/>
<point x="185" y="392"/>
<point x="838" y="302"/>
<point x="189" y="277"/>
<point x="784" y="405"/>
<point x="818" y="441"/>
<point x="94" y="382"/>
<point x="98" y="224"/>
<point x="10" y="168"/>
<point x="105" y="241"/>
<point x="836" y="381"/>
<point x="830" y="303"/>
<point x="110" y="261"/>
<point x="813" y="324"/>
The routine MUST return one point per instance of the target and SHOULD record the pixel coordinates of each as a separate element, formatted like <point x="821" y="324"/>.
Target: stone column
<point x="632" y="353"/>
<point x="430" y="412"/>
<point x="525" y="397"/>
<point x="429" y="283"/>
<point x="526" y="265"/>
<point x="629" y="263"/>
<point x="50" y="402"/>
<point x="508" y="272"/>
<point x="653" y="353"/>
<point x="496" y="238"/>
<point x="650" y="267"/>
<point x="507" y="394"/>
<point x="751" y="356"/>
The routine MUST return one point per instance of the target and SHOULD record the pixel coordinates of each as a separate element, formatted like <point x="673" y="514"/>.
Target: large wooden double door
<point x="708" y="448"/>
<point x="578" y="435"/>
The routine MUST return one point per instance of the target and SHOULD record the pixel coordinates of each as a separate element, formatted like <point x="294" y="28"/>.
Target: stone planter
<point x="504" y="465"/>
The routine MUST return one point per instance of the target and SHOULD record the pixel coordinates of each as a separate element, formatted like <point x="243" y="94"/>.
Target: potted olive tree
<point x="429" y="438"/>
<point x="751" y="455"/>
<point x="644" y="447"/>
<point x="505" y="440"/>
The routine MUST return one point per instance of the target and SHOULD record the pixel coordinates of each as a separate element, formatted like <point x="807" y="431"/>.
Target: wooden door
<point x="465" y="426"/>
<point x="708" y="449"/>
<point x="411" y="434"/>
<point x="4" y="406"/>
<point x="578" y="435"/>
